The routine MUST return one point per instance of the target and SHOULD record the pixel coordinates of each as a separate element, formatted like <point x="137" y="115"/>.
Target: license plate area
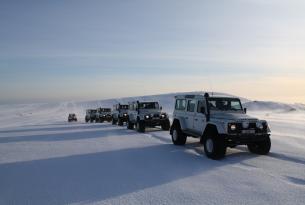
<point x="248" y="131"/>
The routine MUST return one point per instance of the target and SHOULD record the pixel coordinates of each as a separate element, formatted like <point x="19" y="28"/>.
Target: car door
<point x="190" y="114"/>
<point x="200" y="118"/>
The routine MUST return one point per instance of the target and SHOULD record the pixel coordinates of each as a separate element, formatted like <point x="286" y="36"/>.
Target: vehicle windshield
<point x="105" y="110"/>
<point x="93" y="111"/>
<point x="149" y="105"/>
<point x="224" y="104"/>
<point x="124" y="107"/>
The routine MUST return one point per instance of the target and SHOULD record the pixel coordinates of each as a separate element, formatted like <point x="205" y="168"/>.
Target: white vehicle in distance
<point x="90" y="115"/>
<point x="103" y="114"/>
<point x="119" y="114"/>
<point x="146" y="114"/>
<point x="219" y="122"/>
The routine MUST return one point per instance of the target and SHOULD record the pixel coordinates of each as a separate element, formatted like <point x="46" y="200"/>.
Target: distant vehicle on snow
<point x="146" y="114"/>
<point x="119" y="114"/>
<point x="103" y="114"/>
<point x="90" y="115"/>
<point x="72" y="117"/>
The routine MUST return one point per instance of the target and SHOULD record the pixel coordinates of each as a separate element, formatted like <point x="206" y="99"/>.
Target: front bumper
<point x="155" y="122"/>
<point x="124" y="118"/>
<point x="105" y="118"/>
<point x="242" y="139"/>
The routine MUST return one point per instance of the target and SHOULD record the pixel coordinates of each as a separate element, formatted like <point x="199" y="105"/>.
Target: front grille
<point x="156" y="115"/>
<point x="252" y="126"/>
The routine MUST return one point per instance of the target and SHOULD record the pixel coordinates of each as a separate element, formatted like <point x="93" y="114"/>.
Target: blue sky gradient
<point x="83" y="50"/>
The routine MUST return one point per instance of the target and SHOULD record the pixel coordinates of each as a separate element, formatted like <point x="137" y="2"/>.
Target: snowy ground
<point x="78" y="163"/>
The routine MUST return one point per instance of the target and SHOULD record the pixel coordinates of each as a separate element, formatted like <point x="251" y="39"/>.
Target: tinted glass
<point x="180" y="104"/>
<point x="225" y="104"/>
<point x="124" y="107"/>
<point x="150" y="105"/>
<point x="201" y="106"/>
<point x="191" y="105"/>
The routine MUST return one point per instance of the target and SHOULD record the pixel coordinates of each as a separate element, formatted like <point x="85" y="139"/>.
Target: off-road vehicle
<point x="103" y="114"/>
<point x="90" y="115"/>
<point x="219" y="122"/>
<point x="119" y="114"/>
<point x="146" y="114"/>
<point x="72" y="117"/>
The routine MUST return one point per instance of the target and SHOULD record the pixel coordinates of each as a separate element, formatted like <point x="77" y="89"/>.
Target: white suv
<point x="119" y="114"/>
<point x="103" y="114"/>
<point x="146" y="114"/>
<point x="219" y="122"/>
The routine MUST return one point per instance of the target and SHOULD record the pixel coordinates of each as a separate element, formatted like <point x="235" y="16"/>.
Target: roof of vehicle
<point x="202" y="96"/>
<point x="143" y="102"/>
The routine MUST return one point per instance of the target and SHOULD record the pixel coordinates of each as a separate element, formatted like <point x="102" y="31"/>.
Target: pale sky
<point x="84" y="50"/>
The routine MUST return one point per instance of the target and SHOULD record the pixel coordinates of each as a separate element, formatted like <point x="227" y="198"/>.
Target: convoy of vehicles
<point x="219" y="122"/>
<point x="146" y="114"/>
<point x="119" y="114"/>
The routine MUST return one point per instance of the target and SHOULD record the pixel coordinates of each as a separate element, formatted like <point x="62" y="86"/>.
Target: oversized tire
<point x="87" y="120"/>
<point x="166" y="125"/>
<point x="91" y="120"/>
<point x="178" y="137"/>
<point x="140" y="126"/>
<point x="130" y="125"/>
<point x="120" y="122"/>
<point x="261" y="147"/>
<point x="214" y="146"/>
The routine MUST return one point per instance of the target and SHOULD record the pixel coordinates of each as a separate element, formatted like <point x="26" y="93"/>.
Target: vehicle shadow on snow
<point x="279" y="156"/>
<point x="73" y="135"/>
<point x="54" y="127"/>
<point x="99" y="176"/>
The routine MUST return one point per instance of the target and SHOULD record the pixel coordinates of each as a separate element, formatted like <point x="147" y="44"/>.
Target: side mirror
<point x="202" y="110"/>
<point x="245" y="110"/>
<point x="161" y="108"/>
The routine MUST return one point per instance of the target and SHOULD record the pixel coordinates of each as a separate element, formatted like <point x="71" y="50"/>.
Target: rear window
<point x="124" y="107"/>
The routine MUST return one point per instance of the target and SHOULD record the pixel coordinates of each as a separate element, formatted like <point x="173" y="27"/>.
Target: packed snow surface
<point x="45" y="160"/>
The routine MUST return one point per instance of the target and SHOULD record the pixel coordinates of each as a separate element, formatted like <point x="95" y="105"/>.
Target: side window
<point x="201" y="107"/>
<point x="191" y="105"/>
<point x="180" y="104"/>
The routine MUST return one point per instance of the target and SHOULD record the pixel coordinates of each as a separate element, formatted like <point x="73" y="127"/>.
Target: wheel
<point x="140" y="126"/>
<point x="87" y="120"/>
<point x="91" y="120"/>
<point x="178" y="137"/>
<point x="130" y="125"/>
<point x="120" y="122"/>
<point x="214" y="147"/>
<point x="262" y="147"/>
<point x="113" y="121"/>
<point x="166" y="125"/>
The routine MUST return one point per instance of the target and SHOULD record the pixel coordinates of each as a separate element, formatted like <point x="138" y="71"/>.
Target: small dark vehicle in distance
<point x="72" y="117"/>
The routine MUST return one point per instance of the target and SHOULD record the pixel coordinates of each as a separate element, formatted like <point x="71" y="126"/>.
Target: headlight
<point x="259" y="125"/>
<point x="125" y="114"/>
<point x="163" y="116"/>
<point x="233" y="127"/>
<point x="147" y="116"/>
<point x="104" y="115"/>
